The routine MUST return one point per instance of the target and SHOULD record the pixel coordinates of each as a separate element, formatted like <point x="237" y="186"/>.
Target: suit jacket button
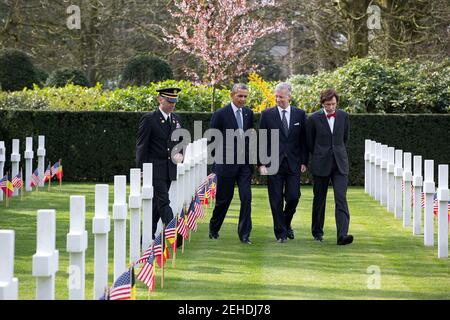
<point x="168" y="149"/>
<point x="168" y="158"/>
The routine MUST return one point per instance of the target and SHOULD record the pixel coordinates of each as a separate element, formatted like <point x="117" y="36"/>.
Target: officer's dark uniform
<point x="154" y="145"/>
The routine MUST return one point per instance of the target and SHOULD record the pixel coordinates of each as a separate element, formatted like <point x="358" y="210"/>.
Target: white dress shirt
<point x="235" y="109"/>
<point x="330" y="121"/>
<point x="165" y="115"/>
<point x="288" y="114"/>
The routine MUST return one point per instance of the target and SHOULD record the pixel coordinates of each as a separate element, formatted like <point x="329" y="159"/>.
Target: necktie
<point x="331" y="115"/>
<point x="285" y="123"/>
<point x="239" y="119"/>
<point x="168" y="124"/>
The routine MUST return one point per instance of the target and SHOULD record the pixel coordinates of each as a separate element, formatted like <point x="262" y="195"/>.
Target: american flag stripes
<point x="171" y="232"/>
<point x="182" y="227"/>
<point x="17" y="181"/>
<point x="35" y="178"/>
<point x="47" y="174"/>
<point x="158" y="250"/>
<point x="147" y="272"/>
<point x="201" y="190"/>
<point x="121" y="289"/>
<point x="198" y="209"/>
<point x="435" y="204"/>
<point x="191" y="217"/>
<point x="157" y="246"/>
<point x="145" y="255"/>
<point x="57" y="170"/>
<point x="6" y="186"/>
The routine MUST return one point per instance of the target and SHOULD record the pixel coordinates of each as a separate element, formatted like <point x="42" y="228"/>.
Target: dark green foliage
<point x="42" y="76"/>
<point x="16" y="70"/>
<point x="95" y="146"/>
<point x="61" y="77"/>
<point x="143" y="69"/>
<point x="373" y="85"/>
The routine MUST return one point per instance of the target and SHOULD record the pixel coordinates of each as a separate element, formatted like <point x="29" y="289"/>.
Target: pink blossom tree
<point x="221" y="33"/>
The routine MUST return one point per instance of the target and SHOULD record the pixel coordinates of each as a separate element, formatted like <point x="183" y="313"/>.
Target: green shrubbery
<point x="17" y="71"/>
<point x="380" y="86"/>
<point x="77" y="98"/>
<point x="365" y="85"/>
<point x="144" y="69"/>
<point x="65" y="76"/>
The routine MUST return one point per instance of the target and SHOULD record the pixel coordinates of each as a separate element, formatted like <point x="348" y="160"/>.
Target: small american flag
<point x="121" y="289"/>
<point x="182" y="227"/>
<point x="35" y="178"/>
<point x="145" y="255"/>
<point x="147" y="272"/>
<point x="159" y="247"/>
<point x="17" y="181"/>
<point x="191" y="217"/>
<point x="57" y="170"/>
<point x="422" y="200"/>
<point x="436" y="205"/>
<point x="201" y="190"/>
<point x="47" y="174"/>
<point x="171" y="232"/>
<point x="198" y="209"/>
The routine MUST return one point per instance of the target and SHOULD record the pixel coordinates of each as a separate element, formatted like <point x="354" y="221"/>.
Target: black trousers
<point x="284" y="195"/>
<point x="161" y="203"/>
<point x="342" y="215"/>
<point x="224" y="195"/>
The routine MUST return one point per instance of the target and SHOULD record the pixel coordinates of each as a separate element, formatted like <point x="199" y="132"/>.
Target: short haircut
<point x="284" y="86"/>
<point x="327" y="95"/>
<point x="239" y="86"/>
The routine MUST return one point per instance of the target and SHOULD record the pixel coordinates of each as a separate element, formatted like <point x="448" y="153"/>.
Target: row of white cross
<point x="190" y="174"/>
<point x="28" y="155"/>
<point x="389" y="178"/>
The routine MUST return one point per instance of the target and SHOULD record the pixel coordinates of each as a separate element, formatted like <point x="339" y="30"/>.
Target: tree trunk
<point x="213" y="104"/>
<point x="358" y="33"/>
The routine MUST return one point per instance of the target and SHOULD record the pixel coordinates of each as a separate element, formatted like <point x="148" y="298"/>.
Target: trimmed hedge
<point x="95" y="146"/>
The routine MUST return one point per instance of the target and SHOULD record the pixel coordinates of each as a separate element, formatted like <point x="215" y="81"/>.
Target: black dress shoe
<point x="343" y="240"/>
<point x="246" y="241"/>
<point x="290" y="234"/>
<point x="282" y="240"/>
<point x="318" y="238"/>
<point x="213" y="235"/>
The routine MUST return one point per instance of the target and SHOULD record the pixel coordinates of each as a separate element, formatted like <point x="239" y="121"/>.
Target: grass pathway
<point x="227" y="269"/>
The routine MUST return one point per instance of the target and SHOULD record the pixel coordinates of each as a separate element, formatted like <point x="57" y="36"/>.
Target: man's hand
<point x="263" y="170"/>
<point x="303" y="168"/>
<point x="178" y="158"/>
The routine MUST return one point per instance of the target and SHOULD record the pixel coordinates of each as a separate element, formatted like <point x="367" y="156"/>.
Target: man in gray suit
<point x="327" y="137"/>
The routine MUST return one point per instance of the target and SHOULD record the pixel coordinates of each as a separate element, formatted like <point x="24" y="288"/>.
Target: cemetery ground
<point x="227" y="269"/>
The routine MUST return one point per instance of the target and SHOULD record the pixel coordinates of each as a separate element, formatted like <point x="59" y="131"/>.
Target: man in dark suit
<point x="327" y="136"/>
<point x="233" y="116"/>
<point x="154" y="145"/>
<point x="284" y="184"/>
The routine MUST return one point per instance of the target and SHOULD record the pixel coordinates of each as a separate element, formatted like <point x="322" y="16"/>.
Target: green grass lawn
<point x="227" y="269"/>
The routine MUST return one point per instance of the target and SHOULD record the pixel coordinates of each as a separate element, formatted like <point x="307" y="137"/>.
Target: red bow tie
<point x="331" y="115"/>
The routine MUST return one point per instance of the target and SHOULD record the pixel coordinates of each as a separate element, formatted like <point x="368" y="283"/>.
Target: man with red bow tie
<point x="327" y="137"/>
